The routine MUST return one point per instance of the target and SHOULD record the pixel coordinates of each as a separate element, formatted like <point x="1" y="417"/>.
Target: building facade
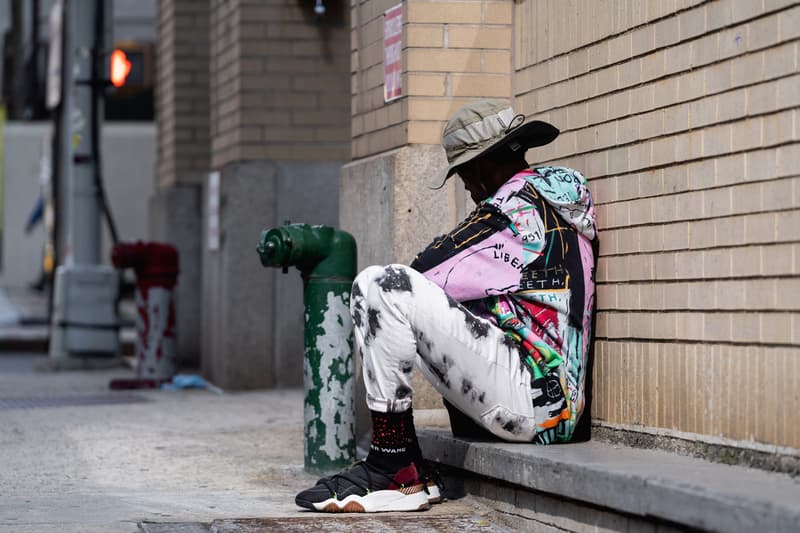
<point x="683" y="114"/>
<point x="258" y="94"/>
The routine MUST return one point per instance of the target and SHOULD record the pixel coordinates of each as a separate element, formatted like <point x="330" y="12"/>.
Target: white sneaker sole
<point x="406" y="499"/>
<point x="433" y="493"/>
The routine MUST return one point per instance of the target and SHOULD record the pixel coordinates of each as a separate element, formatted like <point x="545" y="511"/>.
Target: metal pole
<point x="84" y="234"/>
<point x="64" y="160"/>
<point x="84" y="320"/>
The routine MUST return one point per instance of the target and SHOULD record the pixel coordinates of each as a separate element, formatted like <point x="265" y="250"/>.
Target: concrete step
<point x="627" y="482"/>
<point x="471" y="520"/>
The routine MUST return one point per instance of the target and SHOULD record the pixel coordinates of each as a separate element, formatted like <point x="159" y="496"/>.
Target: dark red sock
<point x="389" y="450"/>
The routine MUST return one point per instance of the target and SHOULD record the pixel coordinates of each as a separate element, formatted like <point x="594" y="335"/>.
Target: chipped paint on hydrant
<point x="329" y="384"/>
<point x="326" y="259"/>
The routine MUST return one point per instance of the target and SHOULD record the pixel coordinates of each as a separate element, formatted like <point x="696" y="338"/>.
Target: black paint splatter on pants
<point x="355" y="291"/>
<point x="452" y="302"/>
<point x="374" y="324"/>
<point x="406" y="367"/>
<point x="424" y="343"/>
<point x="510" y="343"/>
<point x="440" y="371"/>
<point x="358" y="320"/>
<point x="402" y="392"/>
<point x="468" y="390"/>
<point x="479" y="328"/>
<point x="509" y="424"/>
<point x="394" y="279"/>
<point x="357" y="310"/>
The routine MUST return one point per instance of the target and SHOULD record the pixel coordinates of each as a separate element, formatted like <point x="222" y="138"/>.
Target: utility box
<point x="84" y="322"/>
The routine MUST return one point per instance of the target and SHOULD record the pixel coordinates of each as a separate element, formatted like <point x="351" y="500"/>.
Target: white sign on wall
<point x="392" y="53"/>
<point x="213" y="211"/>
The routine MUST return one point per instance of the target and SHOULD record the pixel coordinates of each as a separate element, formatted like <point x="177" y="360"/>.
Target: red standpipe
<point x="156" y="268"/>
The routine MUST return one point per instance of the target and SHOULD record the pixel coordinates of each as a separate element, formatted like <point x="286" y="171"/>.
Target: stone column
<point x="280" y="132"/>
<point x="453" y="53"/>
<point x="182" y="157"/>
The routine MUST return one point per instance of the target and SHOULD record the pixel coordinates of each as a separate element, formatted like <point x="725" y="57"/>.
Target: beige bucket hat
<point x="480" y="127"/>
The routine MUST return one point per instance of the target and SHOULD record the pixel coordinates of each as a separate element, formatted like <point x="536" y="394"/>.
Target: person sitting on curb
<point x="497" y="314"/>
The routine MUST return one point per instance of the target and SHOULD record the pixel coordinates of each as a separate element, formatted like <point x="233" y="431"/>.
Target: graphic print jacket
<point x="525" y="259"/>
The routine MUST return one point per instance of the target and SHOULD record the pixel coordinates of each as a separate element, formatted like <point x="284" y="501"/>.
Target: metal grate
<point x="71" y="401"/>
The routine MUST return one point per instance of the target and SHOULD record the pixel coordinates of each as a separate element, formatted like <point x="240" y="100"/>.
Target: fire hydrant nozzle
<point x="317" y="251"/>
<point x="326" y="258"/>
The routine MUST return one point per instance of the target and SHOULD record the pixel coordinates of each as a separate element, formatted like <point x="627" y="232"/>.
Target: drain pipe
<point x="326" y="259"/>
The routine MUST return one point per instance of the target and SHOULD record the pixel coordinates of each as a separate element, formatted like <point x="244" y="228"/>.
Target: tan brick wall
<point x="182" y="91"/>
<point x="684" y="115"/>
<point x="453" y="53"/>
<point x="279" y="81"/>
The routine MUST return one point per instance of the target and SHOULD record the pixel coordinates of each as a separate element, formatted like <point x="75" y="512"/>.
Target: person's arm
<point x="482" y="256"/>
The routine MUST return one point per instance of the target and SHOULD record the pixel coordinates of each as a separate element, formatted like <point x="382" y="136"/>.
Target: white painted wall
<point x="129" y="159"/>
<point x="23" y="145"/>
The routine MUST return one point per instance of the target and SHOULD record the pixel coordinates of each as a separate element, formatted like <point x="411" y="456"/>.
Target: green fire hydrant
<point x="326" y="259"/>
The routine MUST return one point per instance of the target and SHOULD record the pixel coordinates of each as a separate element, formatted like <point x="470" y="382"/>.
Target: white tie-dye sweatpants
<point x="402" y="319"/>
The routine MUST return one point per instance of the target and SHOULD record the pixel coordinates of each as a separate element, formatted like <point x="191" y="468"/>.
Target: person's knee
<point x="367" y="277"/>
<point x="389" y="278"/>
<point x="366" y="298"/>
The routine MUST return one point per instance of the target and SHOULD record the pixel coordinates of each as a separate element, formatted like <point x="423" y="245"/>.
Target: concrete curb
<point x="24" y="338"/>
<point x="37" y="339"/>
<point x="645" y="483"/>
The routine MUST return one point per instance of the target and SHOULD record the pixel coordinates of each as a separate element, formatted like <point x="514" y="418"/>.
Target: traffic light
<point x="120" y="67"/>
<point x="130" y="74"/>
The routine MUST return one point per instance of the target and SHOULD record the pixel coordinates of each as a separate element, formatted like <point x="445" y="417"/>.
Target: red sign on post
<point x="392" y="53"/>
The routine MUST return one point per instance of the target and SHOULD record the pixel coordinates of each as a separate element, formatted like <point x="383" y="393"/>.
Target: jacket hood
<point x="567" y="191"/>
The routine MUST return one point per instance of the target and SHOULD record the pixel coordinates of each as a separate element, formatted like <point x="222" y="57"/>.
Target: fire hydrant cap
<point x="148" y="259"/>
<point x="275" y="247"/>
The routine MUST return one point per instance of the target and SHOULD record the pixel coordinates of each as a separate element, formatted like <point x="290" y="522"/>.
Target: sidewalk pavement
<point x="79" y="457"/>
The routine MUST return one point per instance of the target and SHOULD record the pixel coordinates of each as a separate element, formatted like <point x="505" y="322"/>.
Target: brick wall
<point x="376" y="126"/>
<point x="279" y="81"/>
<point x="182" y="91"/>
<point x="684" y="115"/>
<point x="453" y="53"/>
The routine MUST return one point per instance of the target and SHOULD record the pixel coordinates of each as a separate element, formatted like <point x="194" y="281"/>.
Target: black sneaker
<point x="365" y="489"/>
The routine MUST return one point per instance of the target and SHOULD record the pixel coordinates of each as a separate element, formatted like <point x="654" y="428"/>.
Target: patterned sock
<point x="389" y="450"/>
